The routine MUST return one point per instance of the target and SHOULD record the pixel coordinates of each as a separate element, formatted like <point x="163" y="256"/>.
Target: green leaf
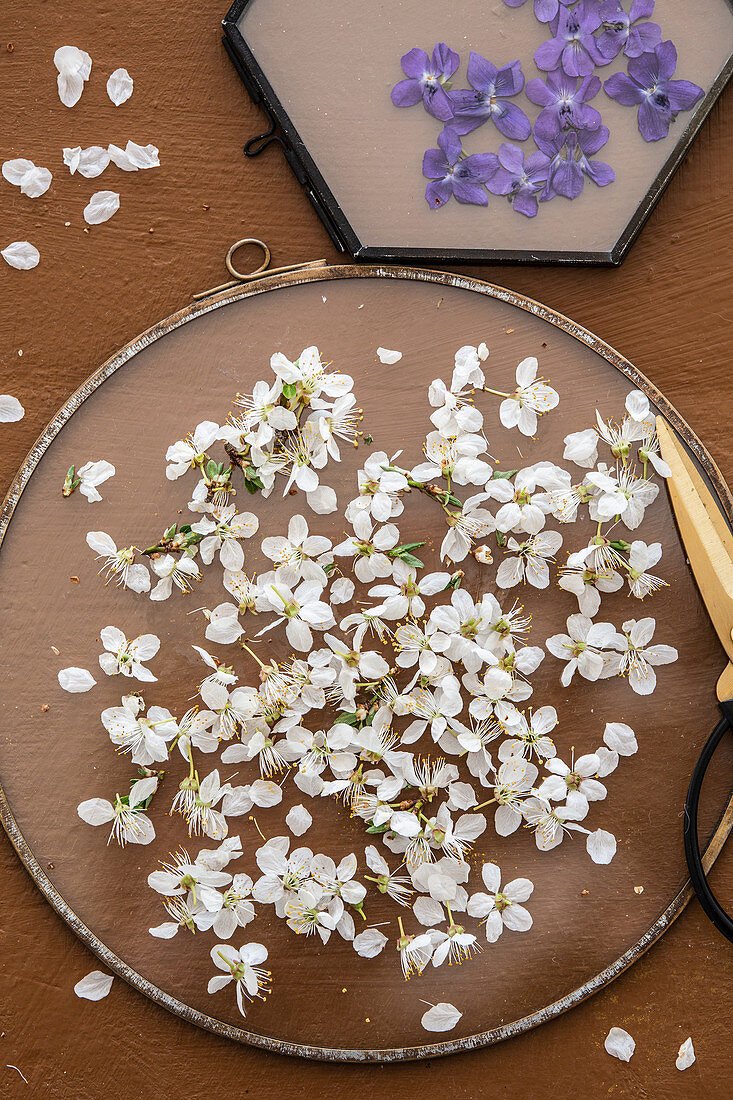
<point x="289" y="390"/>
<point x="621" y="546"/>
<point x="500" y="539"/>
<point x="347" y="719"/>
<point x="410" y="559"/>
<point x="498" y="474"/>
<point x="377" y="828"/>
<point x="368" y="439"/>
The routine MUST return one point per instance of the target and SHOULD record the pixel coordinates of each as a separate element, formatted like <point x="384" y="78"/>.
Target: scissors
<point x="708" y="544"/>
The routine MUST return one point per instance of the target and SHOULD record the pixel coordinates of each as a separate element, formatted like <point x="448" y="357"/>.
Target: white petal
<point x="619" y="1044"/>
<point x="92" y="161"/>
<point x="323" y="500"/>
<point x="21" y="255"/>
<point x="601" y="846"/>
<point x="101" y="207"/>
<point x="620" y="738"/>
<point x="76" y="679"/>
<point x="96" y="811"/>
<point x="369" y="943"/>
<point x="14" y="170"/>
<point x="36" y="182"/>
<point x="441" y="1017"/>
<point x="637" y="405"/>
<point x="686" y="1055"/>
<point x="119" y="86"/>
<point x="298" y="820"/>
<point x="94" y="986"/>
<point x="264" y="792"/>
<point x="388" y="357"/>
<point x="10" y="409"/>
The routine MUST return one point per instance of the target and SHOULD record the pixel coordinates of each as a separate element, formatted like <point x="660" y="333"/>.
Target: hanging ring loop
<point x="244" y="276"/>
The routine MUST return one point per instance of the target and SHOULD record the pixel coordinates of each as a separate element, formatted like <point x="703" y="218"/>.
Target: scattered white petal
<point x="74" y="67"/>
<point x="441" y="1017"/>
<point x="620" y="738"/>
<point x="32" y="180"/>
<point x="21" y="255"/>
<point x="637" y="405"/>
<point x="619" y="1044"/>
<point x="119" y="86"/>
<point x="10" y="409"/>
<point x="298" y="820"/>
<point x="134" y="157"/>
<point x="388" y="357"/>
<point x="101" y="207"/>
<point x="685" y="1055"/>
<point x="14" y="170"/>
<point x="94" y="986"/>
<point x="72" y="157"/>
<point x="601" y="846"/>
<point x="76" y="680"/>
<point x="90" y="162"/>
<point x="370" y="943"/>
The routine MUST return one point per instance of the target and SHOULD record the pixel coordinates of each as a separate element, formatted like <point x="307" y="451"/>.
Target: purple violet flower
<point x="573" y="47"/>
<point x="620" y="33"/>
<point x="521" y="179"/>
<point x="488" y="99"/>
<point x="427" y="80"/>
<point x="544" y="10"/>
<point x="564" y="103"/>
<point x="451" y="175"/>
<point x="570" y="153"/>
<point x="649" y="84"/>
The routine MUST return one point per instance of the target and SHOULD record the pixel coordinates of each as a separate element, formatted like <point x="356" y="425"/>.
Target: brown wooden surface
<point x="668" y="309"/>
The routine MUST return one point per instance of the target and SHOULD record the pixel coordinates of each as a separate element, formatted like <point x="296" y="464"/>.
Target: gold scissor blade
<point x="705" y="535"/>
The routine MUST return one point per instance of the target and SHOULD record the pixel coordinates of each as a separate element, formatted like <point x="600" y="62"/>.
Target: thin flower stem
<point x="252" y="654"/>
<point x="498" y="393"/>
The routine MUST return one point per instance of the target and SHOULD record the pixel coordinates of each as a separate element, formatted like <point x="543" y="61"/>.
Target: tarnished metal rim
<point x="275" y="282"/>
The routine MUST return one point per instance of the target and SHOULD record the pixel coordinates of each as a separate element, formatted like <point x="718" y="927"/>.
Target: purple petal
<point x="643" y="39"/>
<point x="501" y="182"/>
<point x="550" y="144"/>
<point x="437" y="193"/>
<point x="514" y="3"/>
<point x="536" y="166"/>
<point x="450" y="143"/>
<point x="407" y="93"/>
<point x="437" y="103"/>
<point x="538" y="92"/>
<point x="611" y="43"/>
<point x="547" y="125"/>
<point x="644" y="69"/>
<point x="623" y="89"/>
<point x="600" y="173"/>
<point x="640" y="9"/>
<point x="434" y="164"/>
<point x="511" y="121"/>
<point x="567" y="179"/>
<point x="445" y="60"/>
<point x="547" y="56"/>
<point x="545" y="10"/>
<point x="415" y="63"/>
<point x="577" y="61"/>
<point x="682" y="94"/>
<point x="480" y="73"/>
<point x="589" y="88"/>
<point x="653" y="121"/>
<point x="509" y="79"/>
<point x="470" y="193"/>
<point x="525" y="203"/>
<point x="666" y="55"/>
<point x="476" y="169"/>
<point x="590" y="141"/>
<point x="511" y="157"/>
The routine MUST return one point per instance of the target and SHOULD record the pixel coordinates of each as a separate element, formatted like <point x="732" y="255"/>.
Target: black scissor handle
<point x="722" y="921"/>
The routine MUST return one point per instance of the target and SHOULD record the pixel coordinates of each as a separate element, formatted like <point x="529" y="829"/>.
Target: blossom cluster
<point x="405" y="695"/>
<point x="568" y="131"/>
